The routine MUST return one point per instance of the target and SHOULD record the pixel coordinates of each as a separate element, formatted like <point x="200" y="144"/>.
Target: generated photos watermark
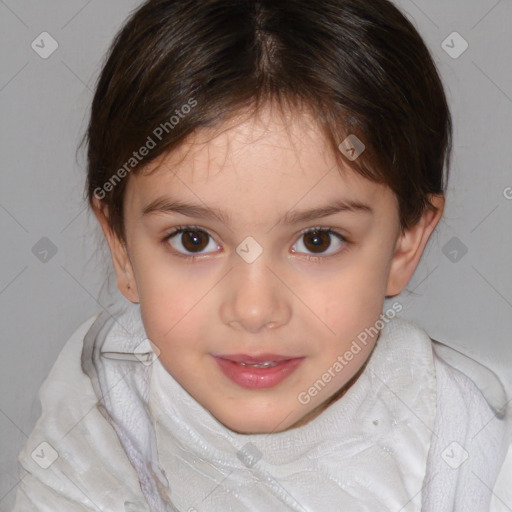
<point x="138" y="156"/>
<point x="304" y="397"/>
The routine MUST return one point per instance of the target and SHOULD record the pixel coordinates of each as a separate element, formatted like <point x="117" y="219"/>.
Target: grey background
<point x="464" y="300"/>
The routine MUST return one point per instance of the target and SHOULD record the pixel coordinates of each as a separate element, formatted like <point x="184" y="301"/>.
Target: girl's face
<point x="249" y="279"/>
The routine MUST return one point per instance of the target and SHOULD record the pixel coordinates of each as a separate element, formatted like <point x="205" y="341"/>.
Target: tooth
<point x="266" y="364"/>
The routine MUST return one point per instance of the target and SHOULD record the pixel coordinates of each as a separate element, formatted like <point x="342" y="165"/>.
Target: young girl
<point x="266" y="174"/>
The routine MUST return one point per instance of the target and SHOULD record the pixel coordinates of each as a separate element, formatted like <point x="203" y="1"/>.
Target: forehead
<point x="272" y="158"/>
<point x="271" y="133"/>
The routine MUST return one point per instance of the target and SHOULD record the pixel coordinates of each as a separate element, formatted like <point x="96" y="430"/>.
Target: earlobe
<point x="410" y="246"/>
<point x="119" y="254"/>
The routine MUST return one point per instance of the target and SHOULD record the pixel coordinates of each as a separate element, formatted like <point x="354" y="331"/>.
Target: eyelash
<point x="312" y="257"/>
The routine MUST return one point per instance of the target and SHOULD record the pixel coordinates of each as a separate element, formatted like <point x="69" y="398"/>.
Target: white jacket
<point x="117" y="433"/>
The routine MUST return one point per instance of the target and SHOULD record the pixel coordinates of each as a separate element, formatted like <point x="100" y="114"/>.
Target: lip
<point x="260" y="358"/>
<point x="257" y="378"/>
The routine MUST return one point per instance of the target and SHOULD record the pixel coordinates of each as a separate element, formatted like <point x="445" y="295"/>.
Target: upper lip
<point x="260" y="358"/>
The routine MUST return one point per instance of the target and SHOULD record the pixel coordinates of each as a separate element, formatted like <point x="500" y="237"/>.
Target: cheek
<point x="159" y="284"/>
<point x="175" y="328"/>
<point x="175" y="302"/>
<point x="173" y="318"/>
<point x="160" y="274"/>
<point x="176" y="316"/>
<point x="354" y="298"/>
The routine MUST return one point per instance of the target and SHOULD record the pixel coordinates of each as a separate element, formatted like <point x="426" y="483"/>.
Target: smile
<point x="257" y="372"/>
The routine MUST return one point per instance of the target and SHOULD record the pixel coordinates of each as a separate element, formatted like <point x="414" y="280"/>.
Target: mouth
<point x="257" y="372"/>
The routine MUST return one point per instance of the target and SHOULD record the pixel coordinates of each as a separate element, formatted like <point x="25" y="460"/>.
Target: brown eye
<point x="190" y="241"/>
<point x="318" y="241"/>
<point x="194" y="240"/>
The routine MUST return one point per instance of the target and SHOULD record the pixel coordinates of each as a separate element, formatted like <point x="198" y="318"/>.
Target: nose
<point x="255" y="298"/>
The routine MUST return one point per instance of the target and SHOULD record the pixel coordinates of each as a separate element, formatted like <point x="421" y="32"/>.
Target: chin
<point x="258" y="423"/>
<point x="247" y="425"/>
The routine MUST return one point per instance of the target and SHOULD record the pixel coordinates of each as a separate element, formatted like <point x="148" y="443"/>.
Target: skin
<point x="291" y="300"/>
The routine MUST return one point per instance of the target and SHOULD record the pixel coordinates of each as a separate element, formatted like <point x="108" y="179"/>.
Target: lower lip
<point x="258" y="378"/>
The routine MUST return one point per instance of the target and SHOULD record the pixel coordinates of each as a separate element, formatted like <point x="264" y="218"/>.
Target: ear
<point x="410" y="246"/>
<point x="118" y="252"/>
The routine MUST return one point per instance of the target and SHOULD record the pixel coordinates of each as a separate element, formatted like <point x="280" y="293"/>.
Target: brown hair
<point x="358" y="65"/>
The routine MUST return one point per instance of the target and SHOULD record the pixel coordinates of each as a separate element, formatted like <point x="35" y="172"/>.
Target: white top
<point x="120" y="434"/>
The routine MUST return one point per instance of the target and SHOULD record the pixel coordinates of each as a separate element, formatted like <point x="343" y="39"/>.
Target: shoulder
<point x="467" y="384"/>
<point x="473" y="423"/>
<point x="73" y="457"/>
<point x="66" y="371"/>
<point x="501" y="500"/>
<point x="467" y="372"/>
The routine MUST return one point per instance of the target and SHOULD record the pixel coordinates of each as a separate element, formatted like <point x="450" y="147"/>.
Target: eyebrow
<point x="167" y="205"/>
